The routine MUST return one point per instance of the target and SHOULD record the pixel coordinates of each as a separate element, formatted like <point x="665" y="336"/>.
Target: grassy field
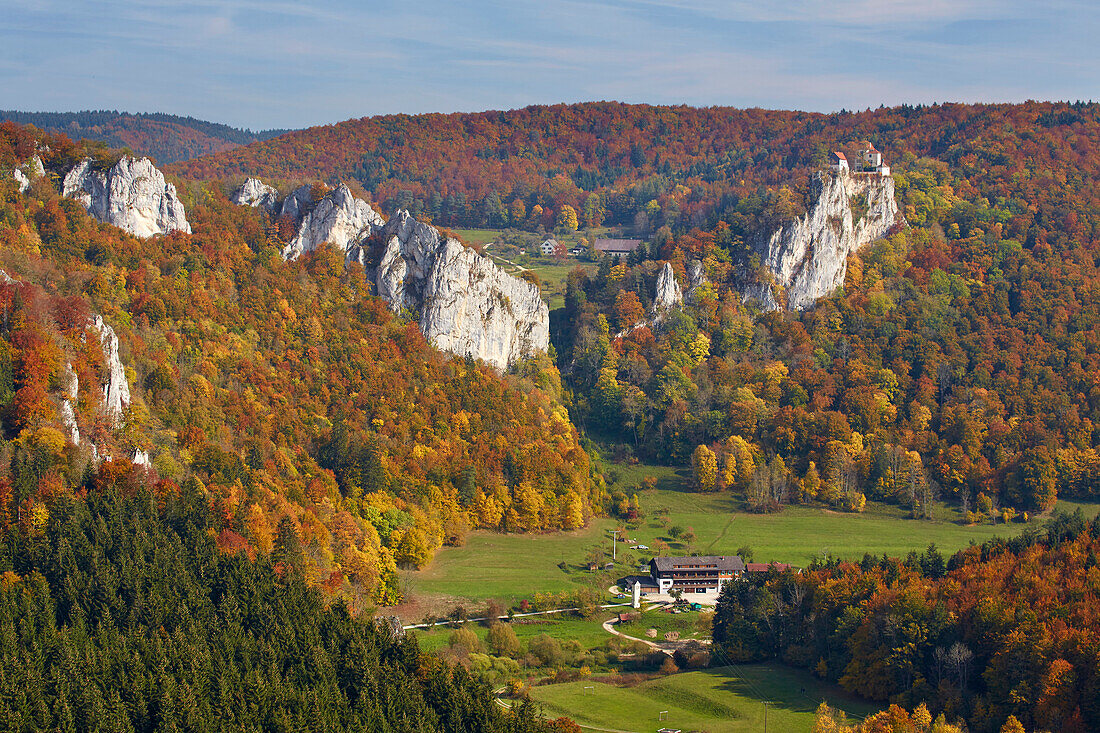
<point x="509" y="567"/>
<point x="686" y="624"/>
<point x="553" y="279"/>
<point x="565" y="627"/>
<point x="551" y="272"/>
<point x="513" y="567"/>
<point x="477" y="236"/>
<point x="718" y="701"/>
<point x="798" y="533"/>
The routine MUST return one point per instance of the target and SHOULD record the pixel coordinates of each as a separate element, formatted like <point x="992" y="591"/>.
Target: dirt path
<point x="448" y="622"/>
<point x="721" y="534"/>
<point x="608" y="626"/>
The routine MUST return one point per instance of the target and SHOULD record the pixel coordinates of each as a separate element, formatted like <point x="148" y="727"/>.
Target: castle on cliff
<point x="869" y="160"/>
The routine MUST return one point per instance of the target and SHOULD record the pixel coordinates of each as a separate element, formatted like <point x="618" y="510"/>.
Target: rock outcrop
<point x="26" y="173"/>
<point x="116" y="390"/>
<point x="71" y="387"/>
<point x="339" y="219"/>
<point x="132" y="195"/>
<point x="667" y="295"/>
<point x="808" y="257"/>
<point x="466" y="304"/>
<point x="697" y="278"/>
<point x="255" y="193"/>
<point x="298" y="203"/>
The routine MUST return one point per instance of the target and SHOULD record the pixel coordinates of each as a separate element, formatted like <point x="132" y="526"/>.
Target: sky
<point x="281" y="64"/>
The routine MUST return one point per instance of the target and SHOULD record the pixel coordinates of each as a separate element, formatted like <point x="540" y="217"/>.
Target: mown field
<point x="509" y="567"/>
<point x="567" y="626"/>
<point x="724" y="700"/>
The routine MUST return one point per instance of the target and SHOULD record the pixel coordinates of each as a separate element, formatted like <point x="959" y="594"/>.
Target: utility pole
<point x="766" y="704"/>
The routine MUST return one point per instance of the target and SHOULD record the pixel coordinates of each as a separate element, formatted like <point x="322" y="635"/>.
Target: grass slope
<point x="508" y="567"/>
<point x="723" y="700"/>
<point x="566" y="627"/>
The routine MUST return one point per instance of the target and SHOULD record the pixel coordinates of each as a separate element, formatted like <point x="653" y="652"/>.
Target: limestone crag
<point x="30" y="171"/>
<point x="255" y="193"/>
<point x="298" y="203"/>
<point x="21" y="180"/>
<point x="132" y="195"/>
<point x="116" y="390"/>
<point x="697" y="278"/>
<point x="466" y="304"/>
<point x="667" y="295"/>
<point x="339" y="219"/>
<point x="808" y="257"/>
<point x="71" y="387"/>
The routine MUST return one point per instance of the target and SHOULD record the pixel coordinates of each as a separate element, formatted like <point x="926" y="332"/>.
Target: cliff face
<point x="132" y="195"/>
<point x="113" y="385"/>
<point x="298" y="202"/>
<point x="25" y="174"/>
<point x="808" y="257"/>
<point x="667" y="295"/>
<point x="255" y="192"/>
<point x="116" y="390"/>
<point x="339" y="219"/>
<point x="467" y="305"/>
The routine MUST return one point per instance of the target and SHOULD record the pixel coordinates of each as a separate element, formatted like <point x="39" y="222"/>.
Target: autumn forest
<point x="303" y="437"/>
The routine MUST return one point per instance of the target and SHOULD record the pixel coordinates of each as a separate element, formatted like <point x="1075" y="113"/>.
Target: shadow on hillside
<point x="679" y="481"/>
<point x="786" y="689"/>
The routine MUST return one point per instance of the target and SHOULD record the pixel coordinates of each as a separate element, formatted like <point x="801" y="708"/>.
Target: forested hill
<point x="286" y="389"/>
<point x="647" y="165"/>
<point x="1004" y="629"/>
<point x="167" y="138"/>
<point x="119" y="613"/>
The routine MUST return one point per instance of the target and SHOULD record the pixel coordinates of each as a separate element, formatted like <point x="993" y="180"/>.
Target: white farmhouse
<point x="840" y="162"/>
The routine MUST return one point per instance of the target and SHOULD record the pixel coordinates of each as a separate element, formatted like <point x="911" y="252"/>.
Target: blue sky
<point x="289" y="64"/>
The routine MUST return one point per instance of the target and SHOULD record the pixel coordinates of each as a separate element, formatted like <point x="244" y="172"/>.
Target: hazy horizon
<point x="283" y="65"/>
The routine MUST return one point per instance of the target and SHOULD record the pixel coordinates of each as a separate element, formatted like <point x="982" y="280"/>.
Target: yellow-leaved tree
<point x="704" y="467"/>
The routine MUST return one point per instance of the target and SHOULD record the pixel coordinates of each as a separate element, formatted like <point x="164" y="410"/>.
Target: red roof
<point x="840" y="156"/>
<point x="763" y="567"/>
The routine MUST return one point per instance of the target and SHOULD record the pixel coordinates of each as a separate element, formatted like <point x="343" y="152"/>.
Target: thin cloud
<point x="279" y="64"/>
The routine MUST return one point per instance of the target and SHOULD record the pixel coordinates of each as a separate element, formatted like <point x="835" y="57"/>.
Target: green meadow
<point x="513" y="567"/>
<point x="723" y="700"/>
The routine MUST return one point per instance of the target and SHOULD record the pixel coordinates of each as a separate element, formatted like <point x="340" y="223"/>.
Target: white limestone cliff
<point x="339" y="219"/>
<point x="667" y="295"/>
<point x="116" y="390"/>
<point x="466" y="304"/>
<point x="132" y="195"/>
<point x="114" y="386"/>
<point x="21" y="180"/>
<point x="808" y="257"/>
<point x="71" y="387"/>
<point x="298" y="203"/>
<point x="32" y="170"/>
<point x="254" y="193"/>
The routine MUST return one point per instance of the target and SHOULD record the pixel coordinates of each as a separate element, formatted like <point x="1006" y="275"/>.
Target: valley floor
<point x="510" y="568"/>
